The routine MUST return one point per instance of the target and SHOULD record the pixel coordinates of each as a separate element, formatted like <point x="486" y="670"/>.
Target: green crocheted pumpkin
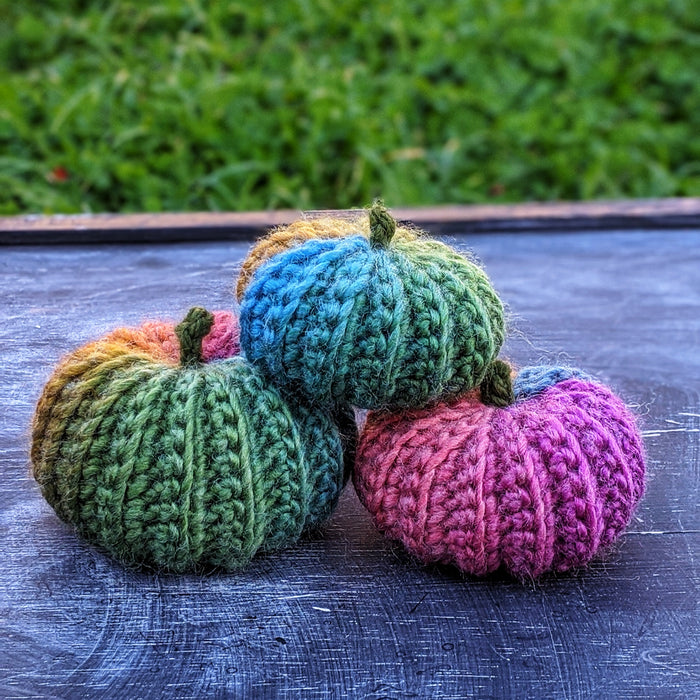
<point x="181" y="466"/>
<point x="375" y="321"/>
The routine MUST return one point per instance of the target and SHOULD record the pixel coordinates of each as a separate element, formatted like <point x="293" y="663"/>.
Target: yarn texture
<point x="179" y="464"/>
<point x="284" y="238"/>
<point x="159" y="340"/>
<point x="540" y="485"/>
<point x="531" y="381"/>
<point x="368" y="316"/>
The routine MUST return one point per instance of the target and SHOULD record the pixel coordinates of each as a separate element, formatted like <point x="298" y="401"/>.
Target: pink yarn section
<point x="541" y="485"/>
<point x="222" y="341"/>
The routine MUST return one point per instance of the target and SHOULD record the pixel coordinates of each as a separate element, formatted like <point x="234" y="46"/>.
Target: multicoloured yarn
<point x="539" y="485"/>
<point x="284" y="238"/>
<point x="378" y="321"/>
<point x="181" y="466"/>
<point x="159" y="339"/>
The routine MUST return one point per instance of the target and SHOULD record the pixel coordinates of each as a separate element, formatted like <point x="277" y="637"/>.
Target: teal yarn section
<point x="182" y="468"/>
<point x="348" y="321"/>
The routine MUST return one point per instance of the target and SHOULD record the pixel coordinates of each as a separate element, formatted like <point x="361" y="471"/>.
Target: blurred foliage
<point x="194" y="105"/>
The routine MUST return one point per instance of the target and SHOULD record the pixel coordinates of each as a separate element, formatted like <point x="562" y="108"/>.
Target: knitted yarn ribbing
<point x="179" y="467"/>
<point x="541" y="485"/>
<point x="342" y="320"/>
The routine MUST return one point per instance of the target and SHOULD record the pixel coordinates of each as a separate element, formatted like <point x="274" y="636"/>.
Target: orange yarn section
<point x="155" y="338"/>
<point x="286" y="237"/>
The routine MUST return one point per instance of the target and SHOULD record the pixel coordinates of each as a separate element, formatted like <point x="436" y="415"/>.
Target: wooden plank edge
<point x="672" y="213"/>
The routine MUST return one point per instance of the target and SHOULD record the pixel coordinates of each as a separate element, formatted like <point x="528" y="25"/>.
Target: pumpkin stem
<point x="497" y="387"/>
<point x="382" y="225"/>
<point x="190" y="332"/>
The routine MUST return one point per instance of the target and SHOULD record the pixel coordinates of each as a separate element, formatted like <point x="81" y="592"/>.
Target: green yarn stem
<point x="497" y="387"/>
<point x="382" y="225"/>
<point x="190" y="332"/>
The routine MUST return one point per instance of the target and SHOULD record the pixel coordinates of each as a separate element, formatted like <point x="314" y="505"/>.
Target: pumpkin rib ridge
<point x="239" y="464"/>
<point x="81" y="392"/>
<point x="256" y="524"/>
<point x="618" y="502"/>
<point x="348" y="343"/>
<point x="284" y="455"/>
<point x="437" y="275"/>
<point x="188" y="529"/>
<point x="322" y="448"/>
<point x="50" y="418"/>
<point x="332" y="363"/>
<point x="419" y="356"/>
<point x="157" y="390"/>
<point x="93" y="473"/>
<point x="374" y="364"/>
<point x="126" y="442"/>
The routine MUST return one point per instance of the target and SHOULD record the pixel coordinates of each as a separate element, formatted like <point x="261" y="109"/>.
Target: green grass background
<point x="190" y="105"/>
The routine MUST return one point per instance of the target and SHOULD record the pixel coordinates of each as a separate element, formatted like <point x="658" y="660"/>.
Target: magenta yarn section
<point x="541" y="485"/>
<point x="222" y="341"/>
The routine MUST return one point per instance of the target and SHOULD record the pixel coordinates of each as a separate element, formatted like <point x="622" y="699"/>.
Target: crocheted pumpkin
<point x="539" y="485"/>
<point x="373" y="321"/>
<point x="181" y="466"/>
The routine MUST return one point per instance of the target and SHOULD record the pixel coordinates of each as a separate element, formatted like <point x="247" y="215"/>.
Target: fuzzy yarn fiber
<point x="540" y="485"/>
<point x="283" y="238"/>
<point x="181" y="464"/>
<point x="364" y="317"/>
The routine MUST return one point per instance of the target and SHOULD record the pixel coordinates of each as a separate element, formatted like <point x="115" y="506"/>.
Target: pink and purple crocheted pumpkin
<point x="542" y="484"/>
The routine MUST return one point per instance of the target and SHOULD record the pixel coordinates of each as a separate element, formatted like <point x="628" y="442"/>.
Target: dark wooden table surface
<point x="346" y="614"/>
